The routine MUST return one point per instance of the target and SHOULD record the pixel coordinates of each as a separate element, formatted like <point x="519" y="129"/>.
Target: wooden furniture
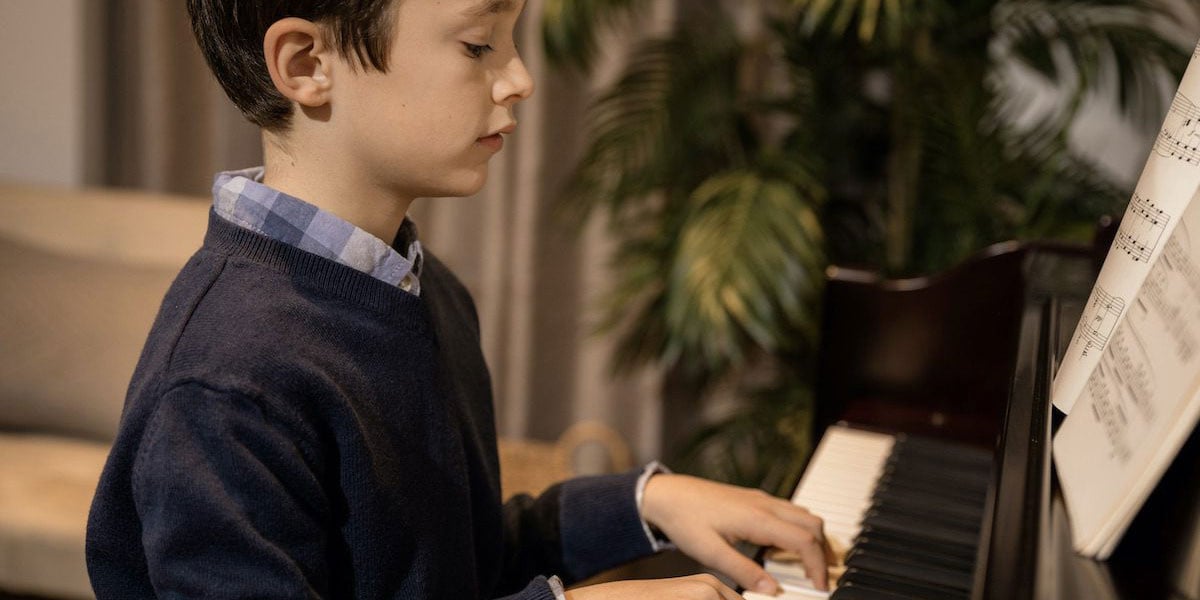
<point x="586" y="447"/>
<point x="926" y="355"/>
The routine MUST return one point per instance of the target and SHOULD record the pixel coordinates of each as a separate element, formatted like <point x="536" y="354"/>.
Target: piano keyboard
<point x="901" y="513"/>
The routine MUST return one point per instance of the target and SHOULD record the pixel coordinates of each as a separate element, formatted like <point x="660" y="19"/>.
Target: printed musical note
<point x="1141" y="229"/>
<point x="1180" y="135"/>
<point x="1100" y="318"/>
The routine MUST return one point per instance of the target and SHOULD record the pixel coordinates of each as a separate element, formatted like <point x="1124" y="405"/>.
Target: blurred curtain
<point x="536" y="280"/>
<point x="168" y="125"/>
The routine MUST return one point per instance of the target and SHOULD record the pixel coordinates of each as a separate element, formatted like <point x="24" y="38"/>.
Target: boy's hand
<point x="694" y="587"/>
<point x="703" y="518"/>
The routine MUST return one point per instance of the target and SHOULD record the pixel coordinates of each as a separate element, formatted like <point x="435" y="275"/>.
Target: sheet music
<point x="1141" y="401"/>
<point x="1169" y="180"/>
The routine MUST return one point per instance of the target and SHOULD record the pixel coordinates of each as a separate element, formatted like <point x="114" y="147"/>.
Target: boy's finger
<point x="748" y="574"/>
<point x="813" y="555"/>
<point x="811" y="548"/>
<point x="800" y="516"/>
<point x="816" y="525"/>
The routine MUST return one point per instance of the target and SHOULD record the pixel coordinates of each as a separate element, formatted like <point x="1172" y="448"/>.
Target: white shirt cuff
<point x="657" y="543"/>
<point x="556" y="586"/>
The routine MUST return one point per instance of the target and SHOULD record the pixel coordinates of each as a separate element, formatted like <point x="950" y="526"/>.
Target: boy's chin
<point x="468" y="184"/>
<point x="454" y="184"/>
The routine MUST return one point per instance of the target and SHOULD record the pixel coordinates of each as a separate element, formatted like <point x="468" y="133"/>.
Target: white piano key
<point x="787" y="595"/>
<point x="837" y="486"/>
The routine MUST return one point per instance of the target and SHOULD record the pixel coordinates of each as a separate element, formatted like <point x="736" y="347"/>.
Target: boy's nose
<point x="515" y="85"/>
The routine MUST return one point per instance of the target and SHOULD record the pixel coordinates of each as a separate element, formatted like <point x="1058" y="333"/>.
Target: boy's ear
<point x="299" y="61"/>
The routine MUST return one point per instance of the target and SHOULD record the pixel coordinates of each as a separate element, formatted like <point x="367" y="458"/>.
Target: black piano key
<point x="927" y="555"/>
<point x="918" y="505"/>
<point x="963" y="552"/>
<point x="908" y="492"/>
<point x="899" y="584"/>
<point x="919" y="538"/>
<point x="921" y="503"/>
<point x="855" y="591"/>
<point x="949" y="452"/>
<point x="930" y="478"/>
<point x="936" y="472"/>
<point x="910" y="567"/>
<point x="945" y="460"/>
<point x="923" y="532"/>
<point x="948" y="459"/>
<point x="963" y="470"/>
<point x="899" y="493"/>
<point x="934" y="514"/>
<point x="942" y="541"/>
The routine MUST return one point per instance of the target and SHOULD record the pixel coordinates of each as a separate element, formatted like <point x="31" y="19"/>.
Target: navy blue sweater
<point x="296" y="428"/>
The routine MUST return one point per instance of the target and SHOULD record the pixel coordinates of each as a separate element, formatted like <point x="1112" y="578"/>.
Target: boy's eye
<point x="477" y="51"/>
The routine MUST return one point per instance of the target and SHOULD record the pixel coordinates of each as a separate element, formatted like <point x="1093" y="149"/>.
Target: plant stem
<point x="904" y="159"/>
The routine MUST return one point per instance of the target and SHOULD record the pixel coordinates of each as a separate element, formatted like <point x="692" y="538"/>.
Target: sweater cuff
<point x="600" y="524"/>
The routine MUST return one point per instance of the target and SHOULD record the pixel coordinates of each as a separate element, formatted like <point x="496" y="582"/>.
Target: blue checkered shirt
<point x="241" y="198"/>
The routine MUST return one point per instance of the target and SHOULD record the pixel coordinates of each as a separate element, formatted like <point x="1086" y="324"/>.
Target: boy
<point x="311" y="416"/>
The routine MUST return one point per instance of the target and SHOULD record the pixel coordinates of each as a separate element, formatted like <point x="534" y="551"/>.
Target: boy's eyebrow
<point x="490" y="7"/>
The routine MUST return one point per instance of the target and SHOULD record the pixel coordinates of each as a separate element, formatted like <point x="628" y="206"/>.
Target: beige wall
<point x="48" y="103"/>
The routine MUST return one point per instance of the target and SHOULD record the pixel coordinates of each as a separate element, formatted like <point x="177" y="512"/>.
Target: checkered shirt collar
<point x="241" y="198"/>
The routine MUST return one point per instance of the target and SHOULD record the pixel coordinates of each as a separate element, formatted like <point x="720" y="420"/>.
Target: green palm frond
<point x="569" y="27"/>
<point x="634" y="309"/>
<point x="748" y="268"/>
<point x="1062" y="196"/>
<point x="667" y="122"/>
<point x="775" y="423"/>
<point x="1072" y="43"/>
<point x="873" y="17"/>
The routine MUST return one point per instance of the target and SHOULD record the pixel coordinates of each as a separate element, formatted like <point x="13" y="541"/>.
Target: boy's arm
<point x="596" y="523"/>
<point x="228" y="502"/>
<point x="574" y="529"/>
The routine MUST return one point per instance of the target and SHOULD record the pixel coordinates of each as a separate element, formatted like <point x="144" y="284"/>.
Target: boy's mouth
<point x="492" y="142"/>
<point x="495" y="140"/>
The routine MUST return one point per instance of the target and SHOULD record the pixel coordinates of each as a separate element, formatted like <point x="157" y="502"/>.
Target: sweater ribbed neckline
<point x="318" y="273"/>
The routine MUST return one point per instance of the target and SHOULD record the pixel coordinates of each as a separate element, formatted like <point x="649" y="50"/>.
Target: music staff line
<point x="1101" y="319"/>
<point x="1180" y="135"/>
<point x="1142" y="229"/>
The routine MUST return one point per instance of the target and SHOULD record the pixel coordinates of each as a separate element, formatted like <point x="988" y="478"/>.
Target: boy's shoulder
<point x="237" y="323"/>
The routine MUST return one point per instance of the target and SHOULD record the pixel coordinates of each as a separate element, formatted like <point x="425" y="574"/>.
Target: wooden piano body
<point x="969" y="356"/>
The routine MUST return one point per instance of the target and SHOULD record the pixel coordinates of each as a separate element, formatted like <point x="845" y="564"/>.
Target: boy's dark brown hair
<point x="231" y="32"/>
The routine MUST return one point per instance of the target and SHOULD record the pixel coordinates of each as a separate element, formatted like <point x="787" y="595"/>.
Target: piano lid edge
<point x="1008" y="550"/>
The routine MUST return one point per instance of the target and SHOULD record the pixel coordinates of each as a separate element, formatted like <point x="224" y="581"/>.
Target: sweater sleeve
<point x="229" y="504"/>
<point x="575" y="529"/>
<point x="601" y="524"/>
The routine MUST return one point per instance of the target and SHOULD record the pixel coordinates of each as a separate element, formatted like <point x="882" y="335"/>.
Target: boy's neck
<point x="329" y="183"/>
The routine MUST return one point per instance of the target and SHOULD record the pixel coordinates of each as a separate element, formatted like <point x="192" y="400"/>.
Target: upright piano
<point x="935" y="467"/>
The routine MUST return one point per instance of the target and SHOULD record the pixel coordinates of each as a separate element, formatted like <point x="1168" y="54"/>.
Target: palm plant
<point x="731" y="165"/>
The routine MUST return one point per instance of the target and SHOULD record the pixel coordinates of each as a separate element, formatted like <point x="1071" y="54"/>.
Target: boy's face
<point x="429" y="125"/>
